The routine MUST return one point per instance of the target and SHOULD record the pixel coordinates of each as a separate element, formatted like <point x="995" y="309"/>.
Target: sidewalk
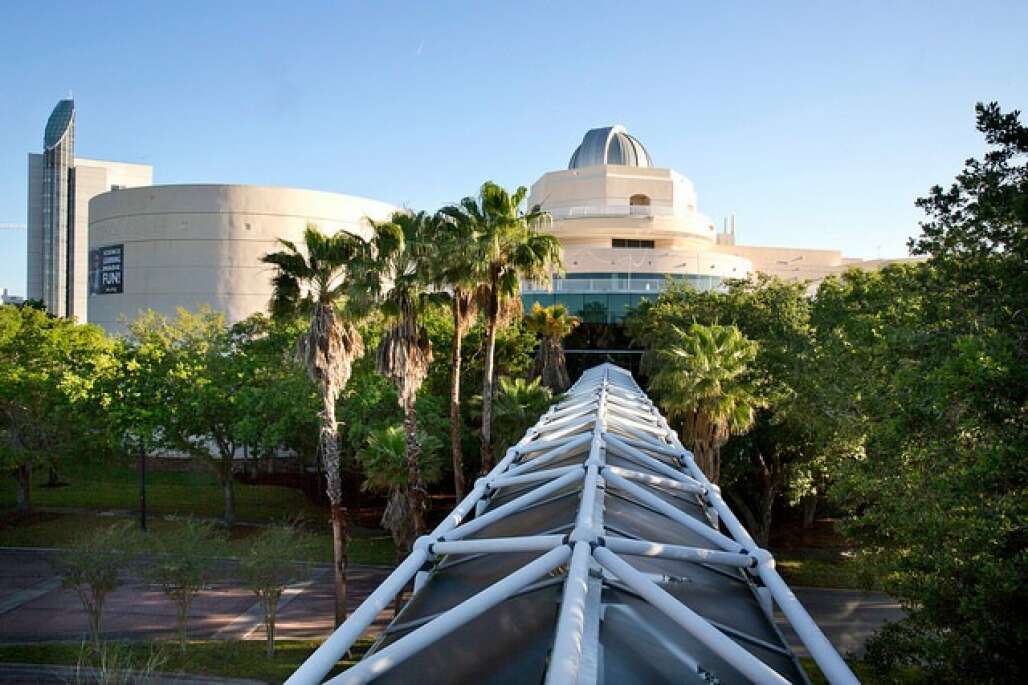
<point x="34" y="608"/>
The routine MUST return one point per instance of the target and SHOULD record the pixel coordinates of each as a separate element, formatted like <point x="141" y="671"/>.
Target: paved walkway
<point x="33" y="608"/>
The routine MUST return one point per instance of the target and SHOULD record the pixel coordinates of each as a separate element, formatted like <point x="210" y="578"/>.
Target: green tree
<point x="552" y="324"/>
<point x="49" y="370"/>
<point x="202" y="374"/>
<point x="509" y="248"/>
<point x="703" y="380"/>
<point x="782" y="454"/>
<point x="935" y="372"/>
<point x="327" y="283"/>
<point x="405" y="256"/>
<point x="94" y="565"/>
<point x="271" y="564"/>
<point x="278" y="404"/>
<point x="182" y="565"/>
<point x="384" y="460"/>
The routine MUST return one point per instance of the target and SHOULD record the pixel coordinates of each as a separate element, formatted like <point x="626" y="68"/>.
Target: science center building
<point x="625" y="226"/>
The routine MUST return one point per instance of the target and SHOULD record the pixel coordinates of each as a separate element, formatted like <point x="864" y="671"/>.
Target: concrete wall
<point x="190" y="245"/>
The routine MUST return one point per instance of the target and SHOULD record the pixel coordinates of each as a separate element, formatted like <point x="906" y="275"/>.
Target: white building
<point x="164" y="247"/>
<point x="59" y="190"/>
<point x="626" y="225"/>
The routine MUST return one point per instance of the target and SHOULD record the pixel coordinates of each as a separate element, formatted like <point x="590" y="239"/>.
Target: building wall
<point x="192" y="245"/>
<point x="799" y="264"/>
<point x="93" y="177"/>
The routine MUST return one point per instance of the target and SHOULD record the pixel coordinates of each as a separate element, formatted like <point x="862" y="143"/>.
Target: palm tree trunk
<point x="340" y="557"/>
<point x="455" y="422"/>
<point x="487" y="379"/>
<point x="415" y="488"/>
<point x="334" y="490"/>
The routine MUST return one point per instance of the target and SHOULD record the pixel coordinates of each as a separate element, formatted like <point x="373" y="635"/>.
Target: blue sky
<point x="817" y="123"/>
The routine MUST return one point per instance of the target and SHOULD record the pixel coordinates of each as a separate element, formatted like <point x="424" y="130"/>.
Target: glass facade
<point x="58" y="158"/>
<point x="607" y="297"/>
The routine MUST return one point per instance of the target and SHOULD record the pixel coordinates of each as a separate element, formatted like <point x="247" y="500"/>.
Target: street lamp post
<point x="142" y="486"/>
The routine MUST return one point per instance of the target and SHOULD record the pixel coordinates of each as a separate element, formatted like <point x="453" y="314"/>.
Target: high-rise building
<point x="59" y="189"/>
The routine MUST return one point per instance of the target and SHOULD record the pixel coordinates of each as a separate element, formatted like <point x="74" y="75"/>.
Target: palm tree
<point x="703" y="380"/>
<point x="517" y="407"/>
<point x="384" y="461"/>
<point x="552" y="324"/>
<point x="458" y="269"/>
<point x="508" y="248"/>
<point x="405" y="252"/>
<point x="327" y="284"/>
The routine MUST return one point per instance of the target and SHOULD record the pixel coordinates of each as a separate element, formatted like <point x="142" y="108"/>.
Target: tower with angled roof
<point x="59" y="189"/>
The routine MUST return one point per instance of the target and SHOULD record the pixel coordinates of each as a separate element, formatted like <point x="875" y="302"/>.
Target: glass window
<point x="619" y="305"/>
<point x="631" y="243"/>
<point x="596" y="309"/>
<point x="572" y="302"/>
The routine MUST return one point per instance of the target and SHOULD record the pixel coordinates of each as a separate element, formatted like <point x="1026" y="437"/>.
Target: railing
<point x="616" y="285"/>
<point x="610" y="210"/>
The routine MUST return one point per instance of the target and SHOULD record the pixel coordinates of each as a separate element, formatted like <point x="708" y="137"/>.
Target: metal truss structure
<point x="598" y="552"/>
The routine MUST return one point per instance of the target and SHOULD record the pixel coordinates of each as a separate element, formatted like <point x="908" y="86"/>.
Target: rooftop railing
<point x="615" y="285"/>
<point x="609" y="210"/>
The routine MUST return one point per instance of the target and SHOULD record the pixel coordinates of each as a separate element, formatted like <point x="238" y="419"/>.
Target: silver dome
<point x="610" y="145"/>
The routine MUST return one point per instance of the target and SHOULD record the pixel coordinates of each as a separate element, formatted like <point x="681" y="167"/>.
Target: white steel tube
<point x="324" y="658"/>
<point x="527" y="499"/>
<point x="527" y="543"/>
<point x="532" y="476"/>
<point x="444" y="624"/>
<point x="567" y="645"/>
<point x="646" y="460"/>
<point x="552" y="455"/>
<point x="821" y="650"/>
<point x="700" y="555"/>
<point x="539" y="446"/>
<point x="666" y="450"/>
<point x="748" y="665"/>
<point x="564" y="431"/>
<point x="649" y="479"/>
<point x="672" y="512"/>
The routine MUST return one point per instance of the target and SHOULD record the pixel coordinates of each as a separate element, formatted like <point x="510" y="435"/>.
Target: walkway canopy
<point x="595" y="552"/>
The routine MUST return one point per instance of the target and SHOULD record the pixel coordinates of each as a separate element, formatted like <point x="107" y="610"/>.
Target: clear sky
<point x="818" y="124"/>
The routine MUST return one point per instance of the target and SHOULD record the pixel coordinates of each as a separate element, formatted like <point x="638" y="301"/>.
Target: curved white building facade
<point x="164" y="247"/>
<point x="624" y="227"/>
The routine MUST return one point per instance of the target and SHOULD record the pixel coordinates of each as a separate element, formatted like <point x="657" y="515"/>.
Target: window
<point x="639" y="201"/>
<point x="630" y="243"/>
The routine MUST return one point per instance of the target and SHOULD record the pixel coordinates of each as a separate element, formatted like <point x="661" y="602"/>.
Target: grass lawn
<point x="115" y="488"/>
<point x="106" y="487"/>
<point x="245" y="659"/>
<point x="864" y="674"/>
<point x="817" y="570"/>
<point x="59" y="530"/>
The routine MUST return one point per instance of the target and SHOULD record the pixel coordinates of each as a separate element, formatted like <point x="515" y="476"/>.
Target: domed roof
<point x="610" y="145"/>
<point x="58" y="123"/>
